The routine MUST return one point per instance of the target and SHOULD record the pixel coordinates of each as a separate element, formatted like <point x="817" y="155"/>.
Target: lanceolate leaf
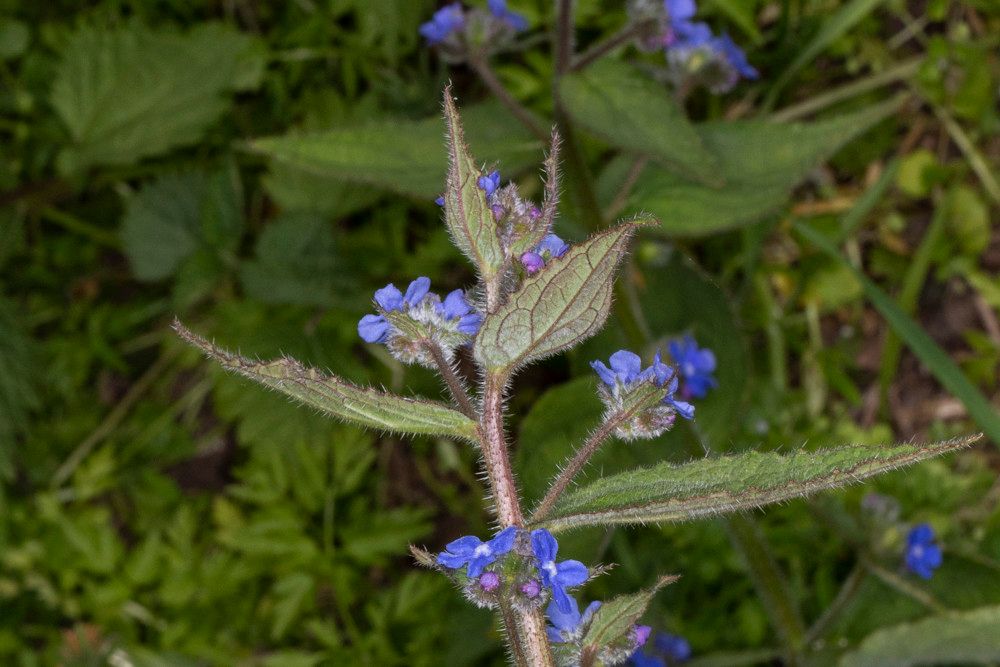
<point x="667" y="492"/>
<point x="335" y="397"/>
<point x="466" y="211"/>
<point x="615" y="618"/>
<point x="966" y="637"/>
<point x="629" y="110"/>
<point x="760" y="161"/>
<point x="561" y="305"/>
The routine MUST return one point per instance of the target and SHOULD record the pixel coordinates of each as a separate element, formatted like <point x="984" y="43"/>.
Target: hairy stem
<point x="450" y="377"/>
<point x="513" y="633"/>
<point x="564" y="36"/>
<point x="576" y="464"/>
<point x="496" y="87"/>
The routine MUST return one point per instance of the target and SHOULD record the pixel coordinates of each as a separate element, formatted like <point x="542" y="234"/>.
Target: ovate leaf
<point x="341" y="399"/>
<point x="176" y="216"/>
<point x="403" y="156"/>
<point x="466" y="211"/>
<point x="631" y="111"/>
<point x="133" y="92"/>
<point x="667" y="492"/>
<point x="760" y="162"/>
<point x="615" y="618"/>
<point x="965" y="637"/>
<point x="561" y="305"/>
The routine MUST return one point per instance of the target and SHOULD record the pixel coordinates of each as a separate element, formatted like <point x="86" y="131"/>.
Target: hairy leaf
<point x="965" y="637"/>
<point x="629" y="110"/>
<point x="466" y="211"/>
<point x="133" y="92"/>
<point x="760" y="161"/>
<point x="338" y="398"/>
<point x="403" y="156"/>
<point x="561" y="305"/>
<point x="614" y="619"/>
<point x="667" y="492"/>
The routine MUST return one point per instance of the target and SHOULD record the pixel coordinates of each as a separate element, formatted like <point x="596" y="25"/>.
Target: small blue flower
<point x="685" y="36"/>
<point x="532" y="261"/>
<point x="736" y="57"/>
<point x="417" y="290"/>
<point x="499" y="9"/>
<point x="696" y="365"/>
<point x="475" y="553"/>
<point x="567" y="622"/>
<point x="373" y="329"/>
<point x="673" y="647"/>
<point x="439" y="201"/>
<point x="556" y="576"/>
<point x="445" y="21"/>
<point x="489" y="183"/>
<point x="923" y="555"/>
<point x="455" y="307"/>
<point x="553" y="245"/>
<point x="626" y="368"/>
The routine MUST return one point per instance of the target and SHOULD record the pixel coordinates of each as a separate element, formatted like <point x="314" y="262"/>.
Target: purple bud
<point x="489" y="183"/>
<point x="439" y="201"/>
<point x="642" y="633"/>
<point x="498" y="211"/>
<point x="532" y="588"/>
<point x="534" y="213"/>
<point x="489" y="581"/>
<point x="532" y="262"/>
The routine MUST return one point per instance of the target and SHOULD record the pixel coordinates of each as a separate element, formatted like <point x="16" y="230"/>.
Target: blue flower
<point x="532" y="261"/>
<point x="475" y="553"/>
<point x="696" y="365"/>
<point x="499" y="9"/>
<point x="736" y="57"/>
<point x="489" y="183"/>
<point x="373" y="329"/>
<point x="566" y="623"/>
<point x="673" y="647"/>
<point x="640" y="659"/>
<point x="626" y="368"/>
<point x="445" y="21"/>
<point x="553" y="245"/>
<point x="455" y="307"/>
<point x="923" y="555"/>
<point x="556" y="576"/>
<point x="686" y="35"/>
<point x="439" y="201"/>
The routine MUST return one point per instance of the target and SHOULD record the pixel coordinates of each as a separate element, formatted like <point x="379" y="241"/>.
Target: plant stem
<point x="605" y="46"/>
<point x="489" y="77"/>
<point x="513" y="635"/>
<point x="450" y="377"/>
<point x="845" y="595"/>
<point x="576" y="464"/>
<point x="564" y="36"/>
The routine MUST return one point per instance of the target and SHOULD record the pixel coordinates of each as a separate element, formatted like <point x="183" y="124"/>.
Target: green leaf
<point x="614" y="619"/>
<point x="930" y="353"/>
<point x="667" y="492"/>
<point x="631" y="111"/>
<point x="466" y="211"/>
<point x="965" y="637"/>
<point x="335" y="397"/>
<point x="556" y="308"/>
<point x="760" y="162"/>
<point x="833" y="28"/>
<point x="403" y="156"/>
<point x="178" y="215"/>
<point x="133" y="92"/>
<point x="293" y="593"/>
<point x="19" y="382"/>
<point x="14" y="38"/>
<point x="297" y="261"/>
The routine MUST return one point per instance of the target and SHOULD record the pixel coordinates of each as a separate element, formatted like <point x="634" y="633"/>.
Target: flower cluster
<point x="695" y="364"/>
<point x="456" y="31"/>
<point x="626" y="380"/>
<point x="567" y="631"/>
<point x="694" y="53"/>
<point x="923" y="555"/>
<point x="667" y="649"/>
<point x="519" y="564"/>
<point x="407" y="323"/>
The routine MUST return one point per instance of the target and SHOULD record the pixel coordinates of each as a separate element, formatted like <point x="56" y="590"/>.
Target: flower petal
<point x="571" y="573"/>
<point x="544" y="545"/>
<point x="389" y="298"/>
<point x="417" y="290"/>
<point x="626" y="365"/>
<point x="504" y="541"/>
<point x="606" y="374"/>
<point x="373" y="329"/>
<point x="464" y="545"/>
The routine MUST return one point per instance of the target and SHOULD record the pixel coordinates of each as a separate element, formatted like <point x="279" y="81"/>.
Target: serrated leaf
<point x="467" y="214"/>
<point x="173" y="218"/>
<point x="760" y="162"/>
<point x="133" y="92"/>
<point x="556" y="308"/>
<point x="338" y="398"/>
<point x="668" y="492"/>
<point x="629" y="110"/>
<point x="403" y="156"/>
<point x="615" y="618"/>
<point x="965" y="637"/>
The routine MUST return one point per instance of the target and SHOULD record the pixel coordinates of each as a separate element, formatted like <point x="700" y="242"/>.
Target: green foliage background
<point x="259" y="168"/>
